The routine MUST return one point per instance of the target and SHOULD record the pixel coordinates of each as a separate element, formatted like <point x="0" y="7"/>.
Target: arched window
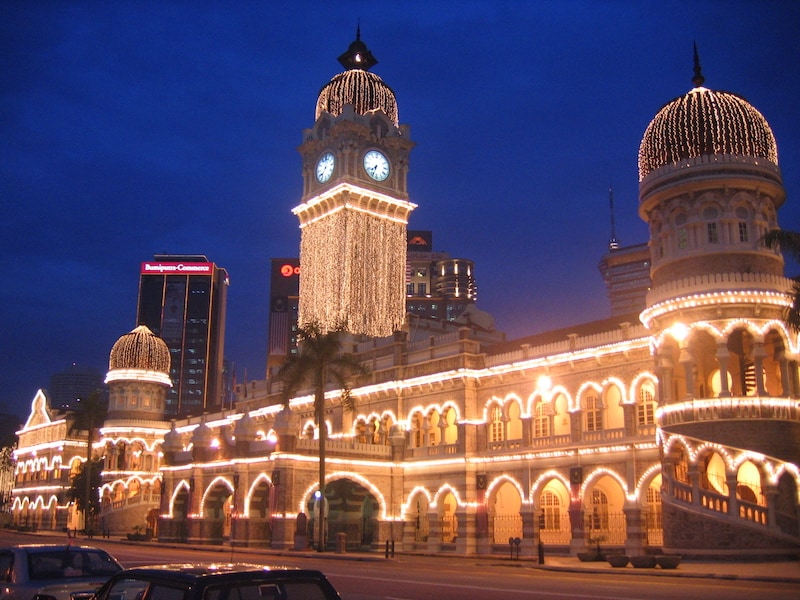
<point x="418" y="429"/>
<point x="550" y="517"/>
<point x="646" y="405"/>
<point x="593" y="413"/>
<point x="598" y="518"/>
<point x="496" y="424"/>
<point x="541" y="422"/>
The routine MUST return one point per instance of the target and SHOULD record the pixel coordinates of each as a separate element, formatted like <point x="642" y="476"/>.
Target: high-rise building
<point x="74" y="382"/>
<point x="626" y="273"/>
<point x="437" y="285"/>
<point x="284" y="290"/>
<point x="182" y="299"/>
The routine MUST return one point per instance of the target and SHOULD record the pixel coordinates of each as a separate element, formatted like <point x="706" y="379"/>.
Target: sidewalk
<point x="786" y="572"/>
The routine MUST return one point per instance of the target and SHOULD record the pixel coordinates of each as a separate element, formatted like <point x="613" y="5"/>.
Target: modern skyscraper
<point x="74" y="382"/>
<point x="182" y="299"/>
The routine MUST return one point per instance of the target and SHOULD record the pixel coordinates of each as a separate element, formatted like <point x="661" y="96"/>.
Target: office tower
<point x="182" y="299"/>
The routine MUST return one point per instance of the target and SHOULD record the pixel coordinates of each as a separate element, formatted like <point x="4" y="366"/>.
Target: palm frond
<point x="786" y="241"/>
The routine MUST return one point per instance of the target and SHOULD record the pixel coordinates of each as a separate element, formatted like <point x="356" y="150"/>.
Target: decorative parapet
<point x="718" y="282"/>
<point x="716" y="409"/>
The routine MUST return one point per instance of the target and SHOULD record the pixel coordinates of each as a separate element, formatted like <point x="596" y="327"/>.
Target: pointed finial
<point x="358" y="55"/>
<point x="698" y="78"/>
<point x="613" y="243"/>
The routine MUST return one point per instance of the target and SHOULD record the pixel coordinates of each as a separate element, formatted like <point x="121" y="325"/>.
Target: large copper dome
<point x="357" y="86"/>
<point x="140" y="349"/>
<point x="704" y="122"/>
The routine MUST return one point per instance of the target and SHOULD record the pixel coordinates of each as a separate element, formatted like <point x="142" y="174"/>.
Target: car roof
<point x="52" y="547"/>
<point x="191" y="572"/>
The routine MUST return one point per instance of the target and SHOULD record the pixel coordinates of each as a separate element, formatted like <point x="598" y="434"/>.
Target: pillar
<point x="722" y="360"/>
<point x="635" y="534"/>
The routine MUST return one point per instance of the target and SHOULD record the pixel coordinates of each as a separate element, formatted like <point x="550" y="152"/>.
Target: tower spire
<point x="613" y="243"/>
<point x="358" y="55"/>
<point x="698" y="78"/>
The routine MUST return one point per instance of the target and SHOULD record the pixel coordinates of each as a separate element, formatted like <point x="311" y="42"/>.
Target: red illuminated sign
<point x="289" y="270"/>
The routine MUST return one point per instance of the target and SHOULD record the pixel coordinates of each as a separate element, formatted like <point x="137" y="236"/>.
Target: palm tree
<point x="90" y="414"/>
<point x="319" y="362"/>
<point x="789" y="243"/>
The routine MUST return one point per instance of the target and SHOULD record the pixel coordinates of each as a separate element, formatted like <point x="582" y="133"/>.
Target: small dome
<point x="357" y="86"/>
<point x="140" y="349"/>
<point x="202" y="436"/>
<point x="172" y="440"/>
<point x="246" y="428"/>
<point x="704" y="122"/>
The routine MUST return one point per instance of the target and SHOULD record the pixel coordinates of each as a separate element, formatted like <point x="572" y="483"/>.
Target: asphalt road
<point x="410" y="577"/>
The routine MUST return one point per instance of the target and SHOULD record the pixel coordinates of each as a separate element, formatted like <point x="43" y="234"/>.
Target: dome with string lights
<point x="141" y="351"/>
<point x="365" y="91"/>
<point x="704" y="122"/>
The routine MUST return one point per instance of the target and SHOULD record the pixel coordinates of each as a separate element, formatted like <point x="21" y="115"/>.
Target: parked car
<point x="48" y="572"/>
<point x="218" y="582"/>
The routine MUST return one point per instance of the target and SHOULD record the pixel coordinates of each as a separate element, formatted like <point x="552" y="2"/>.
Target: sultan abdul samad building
<point x="673" y="429"/>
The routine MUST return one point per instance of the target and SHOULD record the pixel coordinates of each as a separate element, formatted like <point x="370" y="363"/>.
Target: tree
<point x="79" y="483"/>
<point x="319" y="362"/>
<point x="89" y="415"/>
<point x="789" y="243"/>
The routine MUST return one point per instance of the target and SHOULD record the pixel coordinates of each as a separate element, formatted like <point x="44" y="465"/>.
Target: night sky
<point x="136" y="128"/>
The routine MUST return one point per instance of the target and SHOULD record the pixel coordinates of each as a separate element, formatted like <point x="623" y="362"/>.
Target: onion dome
<point x="365" y="91"/>
<point x="139" y="355"/>
<point x="172" y="440"/>
<point x="202" y="436"/>
<point x="705" y="123"/>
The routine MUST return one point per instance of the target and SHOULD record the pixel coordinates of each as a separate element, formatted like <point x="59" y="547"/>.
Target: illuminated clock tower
<point x="354" y="210"/>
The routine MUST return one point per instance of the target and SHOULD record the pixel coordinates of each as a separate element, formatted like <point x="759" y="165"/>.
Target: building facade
<point x="671" y="429"/>
<point x="182" y="299"/>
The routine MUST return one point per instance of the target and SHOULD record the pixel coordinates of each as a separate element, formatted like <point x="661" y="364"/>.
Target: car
<point x="54" y="572"/>
<point x="232" y="581"/>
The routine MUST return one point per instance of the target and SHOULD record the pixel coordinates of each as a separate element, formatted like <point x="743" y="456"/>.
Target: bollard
<point x="541" y="552"/>
<point x="387" y="549"/>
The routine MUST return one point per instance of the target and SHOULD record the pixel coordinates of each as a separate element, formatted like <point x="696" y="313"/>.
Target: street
<point x="411" y="577"/>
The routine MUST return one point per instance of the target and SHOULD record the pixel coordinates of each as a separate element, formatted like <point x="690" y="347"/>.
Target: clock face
<point x="376" y="165"/>
<point x="325" y="167"/>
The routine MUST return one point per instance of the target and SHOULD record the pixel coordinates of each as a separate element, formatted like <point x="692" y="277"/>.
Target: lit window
<point x="594" y="414"/>
<point x="645" y="408"/>
<point x="683" y="239"/>
<point x="541" y="423"/>
<point x="496" y="433"/>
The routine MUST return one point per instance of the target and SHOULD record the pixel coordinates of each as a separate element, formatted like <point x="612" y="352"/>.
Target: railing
<point x="715" y="409"/>
<point x="752" y="512"/>
<point x="608" y="528"/>
<point x="604" y="435"/>
<point x="552" y="440"/>
<point x="505" y="526"/>
<point x="136" y="500"/>
<point x="347" y="446"/>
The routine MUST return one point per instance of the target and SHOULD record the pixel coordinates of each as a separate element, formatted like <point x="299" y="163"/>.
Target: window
<point x="598" y="518"/>
<point x="496" y="426"/>
<point x="550" y="517"/>
<point x="683" y="239"/>
<point x="594" y="413"/>
<point x="409" y="289"/>
<point x="645" y="408"/>
<point x="743" y="235"/>
<point x="713" y="235"/>
<point x="422" y="289"/>
<point x="541" y="422"/>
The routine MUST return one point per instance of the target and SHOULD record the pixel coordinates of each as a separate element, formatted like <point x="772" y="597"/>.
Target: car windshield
<point x="61" y="563"/>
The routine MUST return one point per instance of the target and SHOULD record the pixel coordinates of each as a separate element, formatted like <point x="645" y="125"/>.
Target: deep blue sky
<point x="134" y="128"/>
